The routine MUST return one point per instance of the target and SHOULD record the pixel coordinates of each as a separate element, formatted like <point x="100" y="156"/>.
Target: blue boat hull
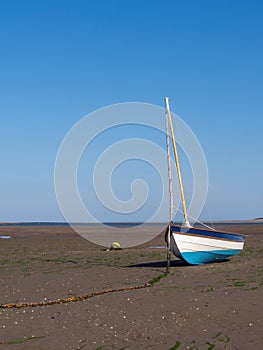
<point x="201" y="246"/>
<point x="206" y="257"/>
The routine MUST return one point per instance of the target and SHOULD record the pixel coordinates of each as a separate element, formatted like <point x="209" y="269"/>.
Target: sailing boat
<point x="195" y="245"/>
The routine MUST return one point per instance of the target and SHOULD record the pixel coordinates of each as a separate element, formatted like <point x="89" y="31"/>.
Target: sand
<point x="215" y="306"/>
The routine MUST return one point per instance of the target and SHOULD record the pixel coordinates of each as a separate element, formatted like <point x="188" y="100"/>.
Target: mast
<point x="186" y="221"/>
<point x="171" y="195"/>
<point x="169" y="169"/>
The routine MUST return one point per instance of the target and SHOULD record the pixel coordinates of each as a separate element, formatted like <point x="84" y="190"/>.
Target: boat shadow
<point x="161" y="264"/>
<point x="173" y="263"/>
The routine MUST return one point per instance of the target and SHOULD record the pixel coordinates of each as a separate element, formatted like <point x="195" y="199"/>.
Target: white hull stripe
<point x="186" y="243"/>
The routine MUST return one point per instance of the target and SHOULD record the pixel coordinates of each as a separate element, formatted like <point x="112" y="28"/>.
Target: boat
<point x="194" y="245"/>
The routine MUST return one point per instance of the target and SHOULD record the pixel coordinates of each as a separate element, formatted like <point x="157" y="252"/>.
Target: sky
<point x="61" y="60"/>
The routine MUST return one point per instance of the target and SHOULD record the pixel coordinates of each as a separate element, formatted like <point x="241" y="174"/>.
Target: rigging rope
<point x="196" y="220"/>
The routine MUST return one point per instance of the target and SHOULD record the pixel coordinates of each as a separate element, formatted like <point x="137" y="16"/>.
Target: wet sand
<point x="215" y="306"/>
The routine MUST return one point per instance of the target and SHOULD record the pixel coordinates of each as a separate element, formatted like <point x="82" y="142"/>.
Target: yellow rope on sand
<point x="70" y="299"/>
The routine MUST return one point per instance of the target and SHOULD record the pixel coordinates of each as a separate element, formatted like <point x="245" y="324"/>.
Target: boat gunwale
<point x="242" y="239"/>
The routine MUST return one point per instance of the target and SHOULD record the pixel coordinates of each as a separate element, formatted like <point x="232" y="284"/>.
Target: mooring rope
<point x="70" y="299"/>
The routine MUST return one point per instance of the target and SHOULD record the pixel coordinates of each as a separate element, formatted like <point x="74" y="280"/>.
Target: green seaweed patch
<point x="222" y="338"/>
<point x="236" y="283"/>
<point x="20" y="341"/>
<point x="239" y="283"/>
<point x="176" y="346"/>
<point x="111" y="346"/>
<point x="157" y="279"/>
<point x="252" y="288"/>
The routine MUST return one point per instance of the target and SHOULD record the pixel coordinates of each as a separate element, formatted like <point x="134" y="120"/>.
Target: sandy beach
<point x="215" y="306"/>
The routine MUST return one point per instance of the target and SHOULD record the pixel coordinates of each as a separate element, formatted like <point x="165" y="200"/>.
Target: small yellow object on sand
<point x="115" y="246"/>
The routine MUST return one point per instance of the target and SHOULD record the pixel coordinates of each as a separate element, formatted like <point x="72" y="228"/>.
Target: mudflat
<point x="77" y="295"/>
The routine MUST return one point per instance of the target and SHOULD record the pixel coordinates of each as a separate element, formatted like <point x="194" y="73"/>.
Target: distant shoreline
<point x="120" y="224"/>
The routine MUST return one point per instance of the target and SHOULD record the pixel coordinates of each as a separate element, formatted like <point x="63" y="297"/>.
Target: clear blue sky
<point x="61" y="60"/>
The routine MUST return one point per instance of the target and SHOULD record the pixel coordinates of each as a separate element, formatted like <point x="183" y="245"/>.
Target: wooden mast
<point x="169" y="169"/>
<point x="168" y="235"/>
<point x="186" y="221"/>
